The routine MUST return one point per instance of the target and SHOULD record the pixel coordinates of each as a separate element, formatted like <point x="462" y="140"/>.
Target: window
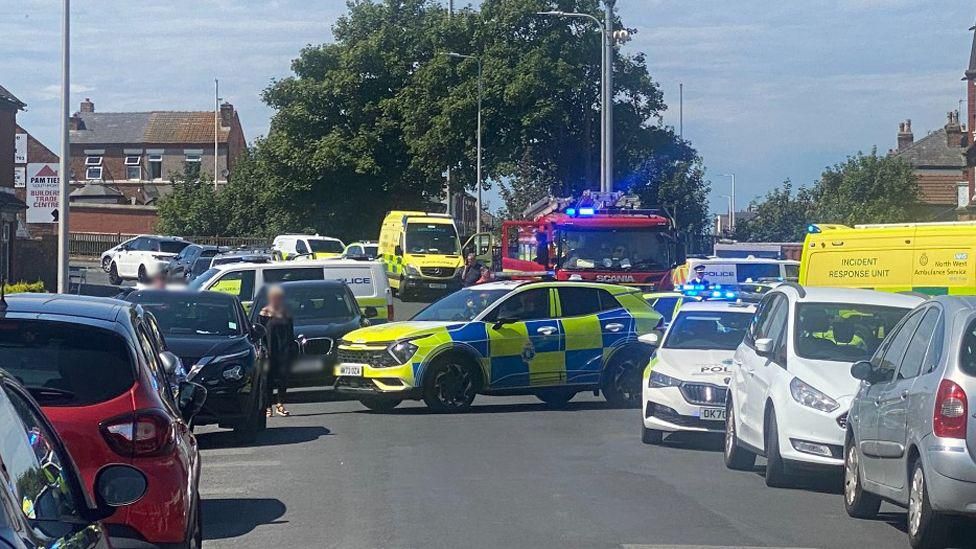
<point x="844" y="332"/>
<point x="462" y="305"/>
<point x="93" y="173"/>
<point x="762" y="312"/>
<point x="934" y="355"/>
<point x="776" y="329"/>
<point x="238" y="283"/>
<point x="286" y="275"/>
<point x="159" y="381"/>
<point x="755" y="271"/>
<point x="191" y="165"/>
<point x="579" y="301"/>
<point x="141" y="244"/>
<point x="301" y="248"/>
<point x="665" y="307"/>
<point x="528" y="305"/>
<point x="171" y="246"/>
<point x="355" y="250"/>
<point x="133" y="168"/>
<point x="192" y="314"/>
<point x="899" y="344"/>
<point x="911" y="365"/>
<point x="155" y="166"/>
<point x="707" y="330"/>
<point x="93" y="160"/>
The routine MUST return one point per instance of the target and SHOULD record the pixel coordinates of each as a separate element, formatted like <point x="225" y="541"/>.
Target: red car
<point x="94" y="366"/>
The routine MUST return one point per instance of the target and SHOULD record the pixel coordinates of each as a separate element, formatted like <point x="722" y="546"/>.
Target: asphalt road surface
<point x="512" y="473"/>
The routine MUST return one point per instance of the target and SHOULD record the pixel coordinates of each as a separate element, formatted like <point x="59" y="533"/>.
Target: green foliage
<point x="193" y="207"/>
<point x="24" y="287"/>
<point x="865" y="188"/>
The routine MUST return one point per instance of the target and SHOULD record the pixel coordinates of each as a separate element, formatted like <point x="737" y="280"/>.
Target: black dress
<point x="280" y="340"/>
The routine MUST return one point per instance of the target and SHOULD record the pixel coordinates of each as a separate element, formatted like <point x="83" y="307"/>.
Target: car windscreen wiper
<point x="50" y="393"/>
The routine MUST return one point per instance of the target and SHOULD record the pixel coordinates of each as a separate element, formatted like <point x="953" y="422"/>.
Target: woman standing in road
<point x="277" y="320"/>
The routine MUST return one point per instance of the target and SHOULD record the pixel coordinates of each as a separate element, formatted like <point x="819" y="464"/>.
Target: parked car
<point x="42" y="500"/>
<point x="204" y="264"/>
<point x="365" y="249"/>
<point x="179" y="267"/>
<point x="791" y="385"/>
<point x="109" y="254"/>
<point x="102" y="382"/>
<point x="211" y="334"/>
<point x="291" y="246"/>
<point x="323" y="312"/>
<point x="909" y="438"/>
<point x="143" y="257"/>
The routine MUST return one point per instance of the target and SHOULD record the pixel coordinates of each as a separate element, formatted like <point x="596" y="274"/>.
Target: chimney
<point x="953" y="130"/>
<point x="75" y="123"/>
<point x="905" y="136"/>
<point x="226" y="115"/>
<point x="87" y="106"/>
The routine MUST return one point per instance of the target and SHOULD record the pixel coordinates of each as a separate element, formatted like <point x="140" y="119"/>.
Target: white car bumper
<point x="811" y="436"/>
<point x="666" y="409"/>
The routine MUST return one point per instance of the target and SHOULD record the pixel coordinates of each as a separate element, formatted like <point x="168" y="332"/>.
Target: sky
<point x="772" y="90"/>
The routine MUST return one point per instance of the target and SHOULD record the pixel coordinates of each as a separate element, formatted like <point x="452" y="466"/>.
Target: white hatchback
<point x="791" y="383"/>
<point x="686" y="382"/>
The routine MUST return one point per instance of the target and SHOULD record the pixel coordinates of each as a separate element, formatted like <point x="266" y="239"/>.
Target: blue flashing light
<point x="571" y="212"/>
<point x="813" y="229"/>
<point x="587" y="211"/>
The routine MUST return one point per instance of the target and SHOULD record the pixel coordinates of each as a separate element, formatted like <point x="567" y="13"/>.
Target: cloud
<point x="53" y="91"/>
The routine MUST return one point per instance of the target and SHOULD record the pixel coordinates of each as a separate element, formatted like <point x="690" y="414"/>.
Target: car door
<point x="875" y="452"/>
<point x="769" y="370"/>
<point x="186" y="258"/>
<point x="894" y="409"/>
<point x="129" y="259"/>
<point x="239" y="282"/>
<point x="747" y="362"/>
<point x="582" y="332"/>
<point x="524" y="342"/>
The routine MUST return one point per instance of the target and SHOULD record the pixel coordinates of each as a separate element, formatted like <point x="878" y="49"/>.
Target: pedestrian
<point x="472" y="270"/>
<point x="280" y="342"/>
<point x="485" y="275"/>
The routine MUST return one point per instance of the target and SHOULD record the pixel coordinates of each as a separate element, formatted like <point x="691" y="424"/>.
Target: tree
<point x="781" y="216"/>
<point x="867" y="188"/>
<point x="192" y="208"/>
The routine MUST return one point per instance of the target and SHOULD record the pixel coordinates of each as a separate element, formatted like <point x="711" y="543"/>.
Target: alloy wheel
<point x="455" y="386"/>
<point x="729" y="433"/>
<point x="851" y="475"/>
<point x="915" y="501"/>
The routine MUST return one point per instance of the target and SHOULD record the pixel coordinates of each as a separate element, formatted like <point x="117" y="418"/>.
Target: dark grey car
<point x="911" y="437"/>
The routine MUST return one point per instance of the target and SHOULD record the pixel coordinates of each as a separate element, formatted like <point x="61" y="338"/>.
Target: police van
<point x="729" y="271"/>
<point x="366" y="279"/>
<point x="930" y="258"/>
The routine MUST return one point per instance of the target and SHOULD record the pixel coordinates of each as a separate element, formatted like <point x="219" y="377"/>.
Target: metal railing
<point x="93" y="244"/>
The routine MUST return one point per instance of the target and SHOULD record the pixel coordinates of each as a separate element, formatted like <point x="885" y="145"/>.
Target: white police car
<point x="686" y="381"/>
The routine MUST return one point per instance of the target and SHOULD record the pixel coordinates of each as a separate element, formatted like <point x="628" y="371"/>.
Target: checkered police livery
<point x="551" y="339"/>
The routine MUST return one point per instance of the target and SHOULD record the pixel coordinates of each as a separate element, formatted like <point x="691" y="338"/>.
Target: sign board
<point x="43" y="186"/>
<point x="20" y="148"/>
<point x="20" y="177"/>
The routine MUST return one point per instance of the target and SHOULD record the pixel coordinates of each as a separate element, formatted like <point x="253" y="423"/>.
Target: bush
<point x="24" y="287"/>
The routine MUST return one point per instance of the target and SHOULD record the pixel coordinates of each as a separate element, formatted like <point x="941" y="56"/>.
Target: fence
<point x="93" y="244"/>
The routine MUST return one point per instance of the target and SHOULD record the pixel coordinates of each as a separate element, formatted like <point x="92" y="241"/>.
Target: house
<point x="131" y="157"/>
<point x="10" y="205"/>
<point x="944" y="160"/>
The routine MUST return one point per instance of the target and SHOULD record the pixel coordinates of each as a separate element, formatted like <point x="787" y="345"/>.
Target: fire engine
<point x="599" y="238"/>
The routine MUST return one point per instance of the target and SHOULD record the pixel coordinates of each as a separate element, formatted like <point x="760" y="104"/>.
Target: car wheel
<point x="857" y="502"/>
<point x="143" y="276"/>
<point x="106" y="261"/>
<point x="651" y="436"/>
<point x="557" y="398"/>
<point x="256" y="422"/>
<point x="380" y="404"/>
<point x="776" y="474"/>
<point x="926" y="528"/>
<point x="113" y="274"/>
<point x="195" y="538"/>
<point x="736" y="457"/>
<point x="622" y="380"/>
<point x="450" y="385"/>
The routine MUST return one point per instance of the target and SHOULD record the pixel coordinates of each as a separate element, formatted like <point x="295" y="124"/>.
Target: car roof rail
<point x="796" y="286"/>
<point x="915" y="294"/>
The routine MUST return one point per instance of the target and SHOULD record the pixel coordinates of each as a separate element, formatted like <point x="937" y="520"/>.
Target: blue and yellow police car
<point x="545" y="338"/>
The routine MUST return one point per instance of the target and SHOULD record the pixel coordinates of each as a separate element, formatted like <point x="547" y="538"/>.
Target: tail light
<point x="389" y="312"/>
<point x="140" y="434"/>
<point x="951" y="409"/>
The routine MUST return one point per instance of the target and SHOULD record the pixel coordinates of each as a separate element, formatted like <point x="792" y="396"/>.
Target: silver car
<point x="909" y="438"/>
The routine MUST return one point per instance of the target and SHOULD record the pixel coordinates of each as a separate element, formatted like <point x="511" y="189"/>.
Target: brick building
<point x="11" y="267"/>
<point x="944" y="160"/>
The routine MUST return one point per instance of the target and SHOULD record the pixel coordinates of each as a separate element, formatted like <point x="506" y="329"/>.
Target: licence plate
<point x="717" y="414"/>
<point x="307" y="366"/>
<point x="349" y="370"/>
<point x="437" y="286"/>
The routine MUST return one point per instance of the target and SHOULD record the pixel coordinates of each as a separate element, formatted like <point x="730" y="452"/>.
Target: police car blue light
<point x="587" y="211"/>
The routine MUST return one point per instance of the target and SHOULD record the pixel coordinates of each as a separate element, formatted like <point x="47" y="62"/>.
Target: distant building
<point x="944" y="160"/>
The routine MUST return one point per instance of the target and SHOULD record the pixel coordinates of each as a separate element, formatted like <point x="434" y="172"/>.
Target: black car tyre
<point x="857" y="502"/>
<point x="736" y="457"/>
<point x="776" y="474"/>
<point x="651" y="436"/>
<point x="557" y="398"/>
<point x="257" y="421"/>
<point x="113" y="274"/>
<point x="450" y="384"/>
<point x="926" y="528"/>
<point x="106" y="262"/>
<point x="195" y="538"/>
<point x="380" y="404"/>
<point x="621" y="385"/>
<point x="143" y="276"/>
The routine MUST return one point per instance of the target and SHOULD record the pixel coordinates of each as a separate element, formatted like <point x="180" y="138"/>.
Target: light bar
<point x="587" y="211"/>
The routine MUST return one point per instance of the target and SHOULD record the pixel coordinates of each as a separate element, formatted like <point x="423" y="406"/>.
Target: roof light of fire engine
<point x="571" y="212"/>
<point x="586" y="211"/>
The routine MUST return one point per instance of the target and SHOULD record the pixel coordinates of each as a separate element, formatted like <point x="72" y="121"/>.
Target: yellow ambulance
<point x="421" y="252"/>
<point x="930" y="258"/>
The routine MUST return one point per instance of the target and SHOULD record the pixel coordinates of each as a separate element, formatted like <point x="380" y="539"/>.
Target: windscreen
<point x="432" y="238"/>
<point x="371" y="251"/>
<point x="707" y="330"/>
<point x="66" y="364"/>
<point x="201" y="280"/>
<point x="311" y="304"/>
<point x="325" y="246"/>
<point x="462" y="305"/>
<point x="201" y="314"/>
<point x="639" y="249"/>
<point x="842" y="332"/>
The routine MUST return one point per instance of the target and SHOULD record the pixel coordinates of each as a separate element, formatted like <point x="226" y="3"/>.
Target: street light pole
<point x="64" y="166"/>
<point x="478" y="160"/>
<point x="608" y="91"/>
<point x="732" y="201"/>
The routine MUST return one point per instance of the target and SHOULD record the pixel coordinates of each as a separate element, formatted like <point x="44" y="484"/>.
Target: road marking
<point x="214" y="464"/>
<point x="228" y="452"/>
<point x="640" y="546"/>
<point x="229" y="491"/>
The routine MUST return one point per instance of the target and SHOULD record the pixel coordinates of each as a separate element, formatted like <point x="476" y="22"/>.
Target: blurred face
<point x="470" y="259"/>
<point x="699" y="271"/>
<point x="276" y="297"/>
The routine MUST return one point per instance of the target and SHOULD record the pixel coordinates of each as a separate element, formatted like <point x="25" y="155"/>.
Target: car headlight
<point x="411" y="270"/>
<point x="660" y="380"/>
<point x="234" y="372"/>
<point x="402" y="351"/>
<point x="810" y="397"/>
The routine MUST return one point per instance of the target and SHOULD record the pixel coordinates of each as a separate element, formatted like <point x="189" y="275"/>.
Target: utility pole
<point x="64" y="166"/>
<point x="216" y="128"/>
<point x="449" y="206"/>
<point x="608" y="35"/>
<point x="681" y="110"/>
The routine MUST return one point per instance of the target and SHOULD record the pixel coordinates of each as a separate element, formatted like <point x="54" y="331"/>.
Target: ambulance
<point x="928" y="258"/>
<point x="421" y="253"/>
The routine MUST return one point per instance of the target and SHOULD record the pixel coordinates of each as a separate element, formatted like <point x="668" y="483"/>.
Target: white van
<point x="366" y="279"/>
<point x="306" y="246"/>
<point x="733" y="270"/>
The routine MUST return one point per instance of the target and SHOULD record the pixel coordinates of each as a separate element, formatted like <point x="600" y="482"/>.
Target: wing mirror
<point x="398" y="250"/>
<point x="653" y="339"/>
<point x="258" y="332"/>
<point x="764" y="346"/>
<point x="370" y="312"/>
<point x="503" y="320"/>
<point x="865" y="371"/>
<point x="171" y="363"/>
<point x="191" y="399"/>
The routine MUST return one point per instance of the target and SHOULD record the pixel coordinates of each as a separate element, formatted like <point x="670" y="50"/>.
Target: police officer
<point x="699" y="279"/>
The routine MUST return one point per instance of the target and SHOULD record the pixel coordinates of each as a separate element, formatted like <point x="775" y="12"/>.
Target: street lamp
<point x="478" y="161"/>
<point x="605" y="156"/>
<point x="731" y="200"/>
<point x="731" y="212"/>
<point x="64" y="162"/>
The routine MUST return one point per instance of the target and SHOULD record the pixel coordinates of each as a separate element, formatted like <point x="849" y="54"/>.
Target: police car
<point x="686" y="381"/>
<point x="549" y="339"/>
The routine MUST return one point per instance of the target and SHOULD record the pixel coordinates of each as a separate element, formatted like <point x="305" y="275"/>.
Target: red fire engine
<point x="637" y="247"/>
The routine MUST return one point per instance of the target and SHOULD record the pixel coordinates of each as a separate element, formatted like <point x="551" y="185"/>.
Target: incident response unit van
<point x="366" y="279"/>
<point x="304" y="246"/>
<point x="421" y="252"/>
<point x="737" y="270"/>
<point x="930" y="258"/>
